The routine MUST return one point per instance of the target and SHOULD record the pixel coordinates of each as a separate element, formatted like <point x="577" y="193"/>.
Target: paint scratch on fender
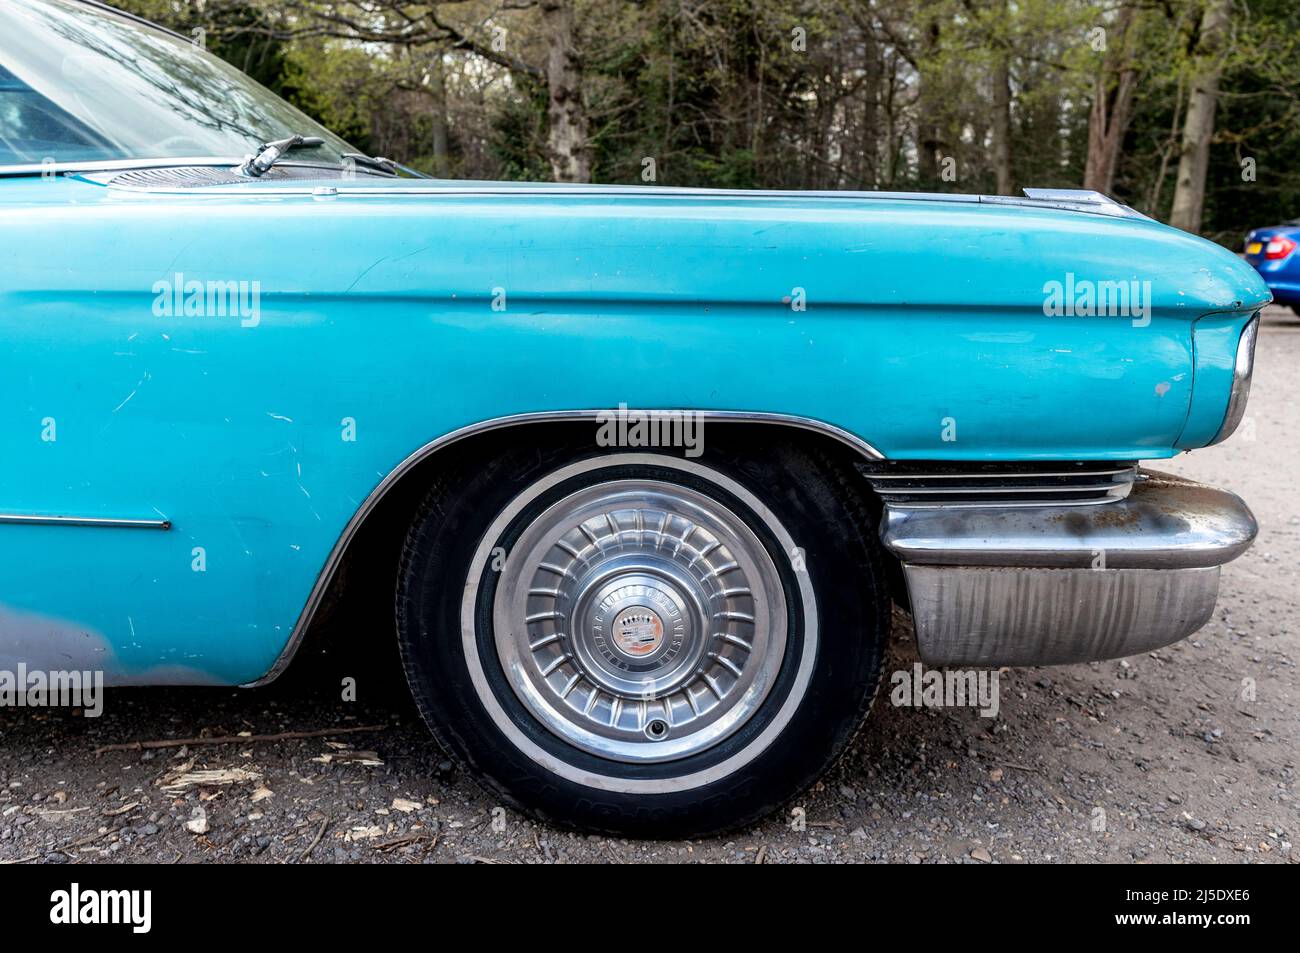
<point x="134" y="390"/>
<point x="365" y="271"/>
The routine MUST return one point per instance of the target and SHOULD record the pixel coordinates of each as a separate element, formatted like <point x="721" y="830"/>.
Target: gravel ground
<point x="1161" y="757"/>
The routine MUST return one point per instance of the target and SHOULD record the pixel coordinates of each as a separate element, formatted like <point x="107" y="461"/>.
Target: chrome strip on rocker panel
<point x="99" y="521"/>
<point x="326" y="575"/>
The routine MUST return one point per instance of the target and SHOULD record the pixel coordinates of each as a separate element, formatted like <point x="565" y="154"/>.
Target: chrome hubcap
<point x="640" y="620"/>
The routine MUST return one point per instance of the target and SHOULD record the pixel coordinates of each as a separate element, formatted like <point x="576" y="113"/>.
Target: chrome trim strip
<point x="984" y="490"/>
<point x="1097" y="206"/>
<point x="97" y="521"/>
<point x="326" y="575"/>
<point x="1242" y="370"/>
<point x="957" y="484"/>
<point x="1090" y="200"/>
<point x="986" y="505"/>
<point x="994" y="474"/>
<point x="1005" y="503"/>
<point x="1165" y="523"/>
<point x="1077" y="200"/>
<point x="900" y="500"/>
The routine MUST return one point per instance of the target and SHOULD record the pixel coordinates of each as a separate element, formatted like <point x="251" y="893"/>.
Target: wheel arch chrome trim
<point x="326" y="576"/>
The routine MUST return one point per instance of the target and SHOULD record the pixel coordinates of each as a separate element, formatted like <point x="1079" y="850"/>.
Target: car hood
<point x="614" y="242"/>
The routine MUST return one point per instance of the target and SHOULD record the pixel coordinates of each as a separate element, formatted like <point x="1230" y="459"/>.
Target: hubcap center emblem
<point x="637" y="631"/>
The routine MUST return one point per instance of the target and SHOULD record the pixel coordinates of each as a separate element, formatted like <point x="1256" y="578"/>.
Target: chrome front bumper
<point x="1056" y="584"/>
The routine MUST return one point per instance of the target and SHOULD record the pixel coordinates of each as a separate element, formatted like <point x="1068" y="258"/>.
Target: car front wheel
<point x="639" y="643"/>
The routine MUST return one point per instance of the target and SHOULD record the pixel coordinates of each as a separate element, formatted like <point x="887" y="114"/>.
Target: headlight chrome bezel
<point x="1242" y="369"/>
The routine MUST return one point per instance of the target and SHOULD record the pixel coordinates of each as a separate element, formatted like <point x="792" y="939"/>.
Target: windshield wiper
<point x="383" y="164"/>
<point x="374" y="162"/>
<point x="271" y="152"/>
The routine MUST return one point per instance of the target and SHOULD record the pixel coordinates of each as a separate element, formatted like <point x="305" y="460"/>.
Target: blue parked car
<point x="1273" y="253"/>
<point x="633" y="475"/>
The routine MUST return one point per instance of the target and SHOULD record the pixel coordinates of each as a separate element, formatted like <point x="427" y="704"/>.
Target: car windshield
<point x="80" y="84"/>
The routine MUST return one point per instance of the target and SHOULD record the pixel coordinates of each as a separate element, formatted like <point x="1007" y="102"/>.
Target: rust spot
<point x="1114" y="518"/>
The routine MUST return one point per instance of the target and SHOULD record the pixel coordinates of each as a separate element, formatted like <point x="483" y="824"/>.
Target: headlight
<point x="1242" y="368"/>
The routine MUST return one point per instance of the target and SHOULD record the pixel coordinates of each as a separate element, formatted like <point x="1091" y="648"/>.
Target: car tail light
<point x="1279" y="247"/>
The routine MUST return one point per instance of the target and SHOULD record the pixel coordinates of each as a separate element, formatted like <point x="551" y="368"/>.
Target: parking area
<point x="1184" y="754"/>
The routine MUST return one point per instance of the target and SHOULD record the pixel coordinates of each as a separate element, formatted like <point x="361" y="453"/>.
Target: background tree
<point x="1186" y="109"/>
<point x="1112" y="97"/>
<point x="1198" y="124"/>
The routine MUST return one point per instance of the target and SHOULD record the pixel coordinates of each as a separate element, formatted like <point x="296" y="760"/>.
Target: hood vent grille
<point x="203" y="176"/>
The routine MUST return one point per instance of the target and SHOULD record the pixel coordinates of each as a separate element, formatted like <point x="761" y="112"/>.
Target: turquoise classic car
<point x="638" y="473"/>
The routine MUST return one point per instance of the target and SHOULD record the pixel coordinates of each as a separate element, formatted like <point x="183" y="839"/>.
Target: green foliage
<point x="339" y="86"/>
<point x="518" y="141"/>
